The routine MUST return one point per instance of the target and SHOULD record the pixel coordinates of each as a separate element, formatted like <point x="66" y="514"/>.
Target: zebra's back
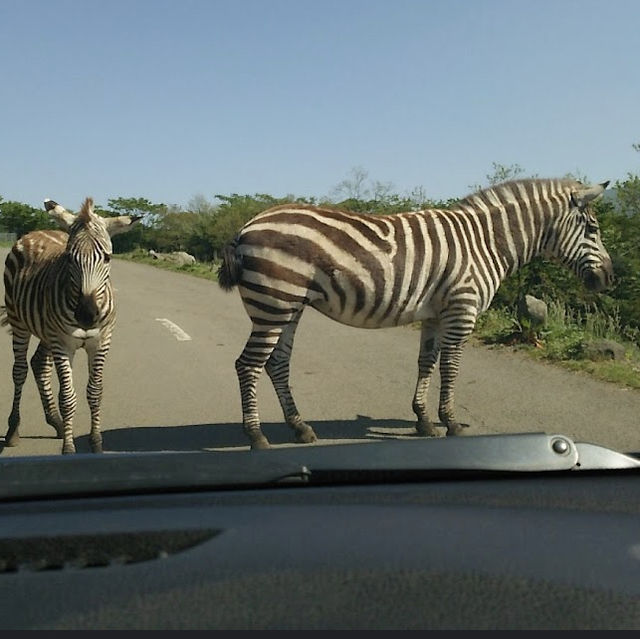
<point x="29" y="270"/>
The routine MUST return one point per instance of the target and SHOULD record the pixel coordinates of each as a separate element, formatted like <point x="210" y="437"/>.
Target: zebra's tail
<point x="230" y="270"/>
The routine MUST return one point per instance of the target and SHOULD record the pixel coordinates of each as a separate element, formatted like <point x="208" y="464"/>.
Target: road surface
<point x="170" y="382"/>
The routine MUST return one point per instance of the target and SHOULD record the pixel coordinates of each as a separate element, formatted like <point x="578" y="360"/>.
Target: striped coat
<point x="439" y="267"/>
<point x="58" y="289"/>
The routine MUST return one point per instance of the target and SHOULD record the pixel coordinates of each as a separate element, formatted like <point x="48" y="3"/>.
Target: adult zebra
<point x="441" y="267"/>
<point x="58" y="288"/>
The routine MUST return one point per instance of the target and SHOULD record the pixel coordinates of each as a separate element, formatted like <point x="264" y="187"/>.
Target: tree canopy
<point x="205" y="226"/>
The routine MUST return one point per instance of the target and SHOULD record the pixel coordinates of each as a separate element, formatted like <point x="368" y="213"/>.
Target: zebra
<point x="439" y="267"/>
<point x="58" y="289"/>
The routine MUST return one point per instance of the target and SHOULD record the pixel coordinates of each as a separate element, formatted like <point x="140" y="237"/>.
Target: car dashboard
<point x="307" y="538"/>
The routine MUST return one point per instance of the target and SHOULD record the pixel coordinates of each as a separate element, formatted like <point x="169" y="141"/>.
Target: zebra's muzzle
<point x="598" y="280"/>
<point x="87" y="312"/>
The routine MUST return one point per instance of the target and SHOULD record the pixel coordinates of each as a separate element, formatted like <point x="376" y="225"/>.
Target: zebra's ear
<point x="581" y="197"/>
<point x="122" y="224"/>
<point x="59" y="214"/>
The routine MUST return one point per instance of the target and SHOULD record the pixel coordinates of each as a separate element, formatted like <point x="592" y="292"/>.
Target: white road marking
<point x="174" y="329"/>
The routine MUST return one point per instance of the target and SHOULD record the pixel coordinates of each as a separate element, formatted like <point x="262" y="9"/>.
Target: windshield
<point x="235" y="227"/>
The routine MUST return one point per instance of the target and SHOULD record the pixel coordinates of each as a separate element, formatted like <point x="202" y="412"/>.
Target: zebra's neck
<point x="64" y="295"/>
<point x="515" y="219"/>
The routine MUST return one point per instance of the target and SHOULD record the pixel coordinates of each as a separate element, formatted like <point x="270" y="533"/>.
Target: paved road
<point x="166" y="392"/>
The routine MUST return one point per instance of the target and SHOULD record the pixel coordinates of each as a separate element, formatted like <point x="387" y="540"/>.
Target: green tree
<point x="139" y="236"/>
<point x="628" y="195"/>
<point x="620" y="228"/>
<point x="19" y="218"/>
<point x="135" y="206"/>
<point x="174" y="230"/>
<point x="195" y="228"/>
<point x="500" y="173"/>
<point x="233" y="211"/>
<point x="352" y="187"/>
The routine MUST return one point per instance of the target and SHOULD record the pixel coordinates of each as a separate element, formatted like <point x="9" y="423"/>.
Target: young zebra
<point x="58" y="288"/>
<point x="441" y="267"/>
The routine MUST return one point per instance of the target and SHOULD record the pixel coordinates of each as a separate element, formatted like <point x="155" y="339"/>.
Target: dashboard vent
<point x="61" y="552"/>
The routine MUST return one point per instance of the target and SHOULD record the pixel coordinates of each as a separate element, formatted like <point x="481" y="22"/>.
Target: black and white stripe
<point x="440" y="267"/>
<point x="58" y="289"/>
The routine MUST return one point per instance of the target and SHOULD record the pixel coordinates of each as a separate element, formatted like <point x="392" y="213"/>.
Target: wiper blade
<point x="594" y="457"/>
<point x="524" y="452"/>
<point x="118" y="473"/>
<point x="127" y="473"/>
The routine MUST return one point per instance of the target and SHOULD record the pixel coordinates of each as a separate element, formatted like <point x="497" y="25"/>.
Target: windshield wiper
<point x="120" y="473"/>
<point x="523" y="452"/>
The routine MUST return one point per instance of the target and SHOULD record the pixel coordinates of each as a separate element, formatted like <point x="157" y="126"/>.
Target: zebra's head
<point x="87" y="259"/>
<point x="575" y="238"/>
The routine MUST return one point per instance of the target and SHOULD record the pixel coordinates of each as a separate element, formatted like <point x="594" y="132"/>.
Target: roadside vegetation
<point x="205" y="270"/>
<point x="595" y="334"/>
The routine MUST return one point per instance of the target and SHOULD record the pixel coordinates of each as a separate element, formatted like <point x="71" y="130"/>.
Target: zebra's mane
<point x="504" y="190"/>
<point x="86" y="210"/>
<point x="89" y="228"/>
<point x="501" y="193"/>
<point x="88" y="220"/>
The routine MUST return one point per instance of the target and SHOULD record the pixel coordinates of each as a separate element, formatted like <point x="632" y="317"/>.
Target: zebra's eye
<point x="107" y="258"/>
<point x="592" y="227"/>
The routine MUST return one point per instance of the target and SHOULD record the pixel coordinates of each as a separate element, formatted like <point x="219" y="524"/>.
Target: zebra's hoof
<point x="426" y="429"/>
<point x="68" y="449"/>
<point x="453" y="430"/>
<point x="12" y="440"/>
<point x="58" y="427"/>
<point x="305" y="435"/>
<point x="258" y="441"/>
<point x="95" y="441"/>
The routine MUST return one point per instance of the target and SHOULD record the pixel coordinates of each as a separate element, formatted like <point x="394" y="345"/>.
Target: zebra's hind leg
<point x="278" y="369"/>
<point x="249" y="366"/>
<point x="42" y="367"/>
<point x="429" y="349"/>
<point x="20" y="369"/>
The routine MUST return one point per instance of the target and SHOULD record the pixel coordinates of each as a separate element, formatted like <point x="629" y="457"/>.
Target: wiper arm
<point x="526" y="452"/>
<point x="119" y="473"/>
<point x="122" y="473"/>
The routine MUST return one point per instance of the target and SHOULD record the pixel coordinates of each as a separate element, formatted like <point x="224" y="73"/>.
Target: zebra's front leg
<point x="457" y="325"/>
<point x="42" y="366"/>
<point x="96" y="359"/>
<point x="20" y="369"/>
<point x="278" y="368"/>
<point x="449" y="367"/>
<point x="429" y="350"/>
<point x="66" y="398"/>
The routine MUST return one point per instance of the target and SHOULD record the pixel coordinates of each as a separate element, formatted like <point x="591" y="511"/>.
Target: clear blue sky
<point x="171" y="99"/>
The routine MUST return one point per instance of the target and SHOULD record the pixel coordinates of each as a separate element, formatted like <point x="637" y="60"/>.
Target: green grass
<point x="564" y="341"/>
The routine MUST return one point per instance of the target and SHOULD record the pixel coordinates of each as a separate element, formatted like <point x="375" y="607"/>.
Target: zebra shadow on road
<point x="230" y="436"/>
